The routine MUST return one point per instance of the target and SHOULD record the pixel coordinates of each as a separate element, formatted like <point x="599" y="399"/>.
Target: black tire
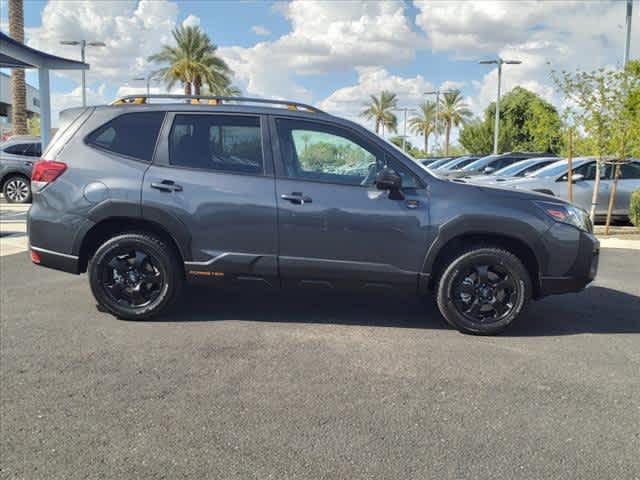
<point x="17" y="189"/>
<point x="135" y="276"/>
<point x="483" y="301"/>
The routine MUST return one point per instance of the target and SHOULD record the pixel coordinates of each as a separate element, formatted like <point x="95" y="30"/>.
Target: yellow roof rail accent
<point x="139" y="99"/>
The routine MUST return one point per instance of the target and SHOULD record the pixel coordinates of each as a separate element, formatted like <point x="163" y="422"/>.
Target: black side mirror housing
<point x="388" y="179"/>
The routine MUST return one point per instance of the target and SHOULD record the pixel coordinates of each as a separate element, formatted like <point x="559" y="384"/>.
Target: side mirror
<point x="488" y="170"/>
<point x="388" y="179"/>
<point x="578" y="177"/>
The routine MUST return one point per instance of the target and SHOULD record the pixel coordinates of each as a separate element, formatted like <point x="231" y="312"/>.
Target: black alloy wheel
<point x="483" y="290"/>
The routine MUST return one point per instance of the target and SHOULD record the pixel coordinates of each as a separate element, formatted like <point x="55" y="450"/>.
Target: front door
<point x="213" y="175"/>
<point x="336" y="229"/>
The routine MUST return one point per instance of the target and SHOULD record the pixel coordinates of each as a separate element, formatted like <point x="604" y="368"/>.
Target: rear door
<point x="213" y="175"/>
<point x="336" y="228"/>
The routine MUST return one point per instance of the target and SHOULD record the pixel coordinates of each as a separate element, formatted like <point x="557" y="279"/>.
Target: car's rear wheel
<point x="483" y="290"/>
<point x="17" y="189"/>
<point x="135" y="276"/>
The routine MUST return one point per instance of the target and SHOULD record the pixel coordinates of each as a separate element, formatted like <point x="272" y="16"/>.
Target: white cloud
<point x="545" y="35"/>
<point x="73" y="98"/>
<point x="132" y="31"/>
<point x="325" y="37"/>
<point x="191" y="21"/>
<point x="260" y="30"/>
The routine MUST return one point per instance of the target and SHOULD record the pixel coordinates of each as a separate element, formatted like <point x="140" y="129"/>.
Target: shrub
<point x="634" y="208"/>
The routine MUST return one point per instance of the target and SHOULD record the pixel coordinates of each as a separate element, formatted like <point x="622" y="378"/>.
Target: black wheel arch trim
<point x="466" y="226"/>
<point x="127" y="210"/>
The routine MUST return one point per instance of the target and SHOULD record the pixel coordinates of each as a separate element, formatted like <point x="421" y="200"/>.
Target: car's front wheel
<point x="483" y="290"/>
<point x="135" y="276"/>
<point x="17" y="189"/>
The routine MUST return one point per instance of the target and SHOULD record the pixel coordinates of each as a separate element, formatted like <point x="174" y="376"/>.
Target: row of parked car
<point x="544" y="173"/>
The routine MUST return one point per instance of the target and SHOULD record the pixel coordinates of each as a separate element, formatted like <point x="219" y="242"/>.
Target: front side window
<point x="131" y="134"/>
<point x="328" y="154"/>
<point x="217" y="142"/>
<point x="588" y="171"/>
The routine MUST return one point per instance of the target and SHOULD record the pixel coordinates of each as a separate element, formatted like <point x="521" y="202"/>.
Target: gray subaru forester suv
<point x="151" y="192"/>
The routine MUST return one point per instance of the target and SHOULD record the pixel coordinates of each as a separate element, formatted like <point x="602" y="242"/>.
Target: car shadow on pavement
<point x="596" y="310"/>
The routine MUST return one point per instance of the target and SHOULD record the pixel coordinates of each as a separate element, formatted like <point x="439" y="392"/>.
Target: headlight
<point x="567" y="214"/>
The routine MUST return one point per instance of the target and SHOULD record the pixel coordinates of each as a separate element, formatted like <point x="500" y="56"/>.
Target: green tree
<point x="193" y="62"/>
<point x="527" y="123"/>
<point x="380" y="109"/>
<point x="477" y="137"/>
<point x="424" y="122"/>
<point x="605" y="105"/>
<point x="454" y="112"/>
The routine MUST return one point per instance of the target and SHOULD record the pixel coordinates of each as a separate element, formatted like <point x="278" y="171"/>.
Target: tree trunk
<point x="18" y="84"/>
<point x="377" y="126"/>
<point x="596" y="189"/>
<point x="187" y="88"/>
<point x="447" y="132"/>
<point x="612" y="198"/>
<point x="426" y="141"/>
<point x="197" y="84"/>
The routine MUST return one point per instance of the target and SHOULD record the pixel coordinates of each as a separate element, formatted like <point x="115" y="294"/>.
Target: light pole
<point x="146" y="79"/>
<point x="627" y="44"/>
<point x="404" y="128"/>
<point x="437" y="93"/>
<point x="83" y="45"/>
<point x="499" y="61"/>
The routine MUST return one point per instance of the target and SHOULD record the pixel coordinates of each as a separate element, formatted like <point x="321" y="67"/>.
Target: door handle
<point x="167" y="186"/>
<point x="296" y="198"/>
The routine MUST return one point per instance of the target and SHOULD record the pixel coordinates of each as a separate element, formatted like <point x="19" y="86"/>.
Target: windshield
<point x="556" y="168"/>
<point x="515" y="168"/>
<point x="438" y="163"/>
<point x="458" y="163"/>
<point x="480" y="163"/>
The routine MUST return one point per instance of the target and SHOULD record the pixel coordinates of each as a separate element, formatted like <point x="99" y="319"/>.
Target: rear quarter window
<point x="131" y="134"/>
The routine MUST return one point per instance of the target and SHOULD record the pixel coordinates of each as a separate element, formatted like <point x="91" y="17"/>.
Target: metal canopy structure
<point x="14" y="54"/>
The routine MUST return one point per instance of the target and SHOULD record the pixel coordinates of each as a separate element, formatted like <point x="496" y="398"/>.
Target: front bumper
<point x="582" y="272"/>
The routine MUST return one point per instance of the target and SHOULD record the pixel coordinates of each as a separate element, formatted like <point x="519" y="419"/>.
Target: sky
<point x="335" y="54"/>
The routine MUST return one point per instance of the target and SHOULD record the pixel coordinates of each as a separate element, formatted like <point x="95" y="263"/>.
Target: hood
<point x="507" y="191"/>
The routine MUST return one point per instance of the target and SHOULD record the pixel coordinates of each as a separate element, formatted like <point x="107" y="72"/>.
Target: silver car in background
<point x="520" y="169"/>
<point x="17" y="156"/>
<point x="552" y="180"/>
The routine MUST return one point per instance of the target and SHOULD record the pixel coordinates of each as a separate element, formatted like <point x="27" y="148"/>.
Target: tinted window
<point x="216" y="142"/>
<point x="325" y="153"/>
<point x="588" y="171"/>
<point x="26" y="149"/>
<point x="630" y="171"/>
<point x="131" y="134"/>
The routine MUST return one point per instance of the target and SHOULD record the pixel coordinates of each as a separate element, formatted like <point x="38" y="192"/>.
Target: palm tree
<point x="424" y="123"/>
<point x="454" y="112"/>
<point x="380" y="109"/>
<point x="194" y="62"/>
<point x="18" y="85"/>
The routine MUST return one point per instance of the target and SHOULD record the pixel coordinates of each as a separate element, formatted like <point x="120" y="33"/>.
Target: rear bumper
<point x="59" y="261"/>
<point x="582" y="272"/>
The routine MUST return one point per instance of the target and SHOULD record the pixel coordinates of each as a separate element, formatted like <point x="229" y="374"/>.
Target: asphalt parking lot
<point x="281" y="386"/>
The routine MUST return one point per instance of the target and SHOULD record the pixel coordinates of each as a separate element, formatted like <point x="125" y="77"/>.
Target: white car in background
<point x="523" y="168"/>
<point x="552" y="180"/>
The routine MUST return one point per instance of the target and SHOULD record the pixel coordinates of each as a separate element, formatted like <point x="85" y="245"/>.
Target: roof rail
<point x="141" y="99"/>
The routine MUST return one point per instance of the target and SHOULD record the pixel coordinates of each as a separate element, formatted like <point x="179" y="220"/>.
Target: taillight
<point x="35" y="257"/>
<point x="46" y="171"/>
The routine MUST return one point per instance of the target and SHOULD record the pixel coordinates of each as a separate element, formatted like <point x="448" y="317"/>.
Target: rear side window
<point x="26" y="149"/>
<point x="131" y="134"/>
<point x="224" y="143"/>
